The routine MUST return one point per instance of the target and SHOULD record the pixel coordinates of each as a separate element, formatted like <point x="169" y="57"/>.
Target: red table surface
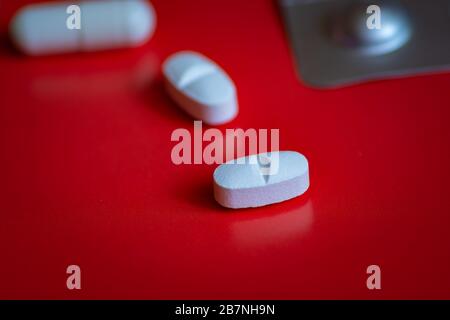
<point x="87" y="178"/>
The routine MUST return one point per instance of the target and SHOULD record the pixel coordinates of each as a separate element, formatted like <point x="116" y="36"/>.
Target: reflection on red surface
<point x="93" y="84"/>
<point x="276" y="229"/>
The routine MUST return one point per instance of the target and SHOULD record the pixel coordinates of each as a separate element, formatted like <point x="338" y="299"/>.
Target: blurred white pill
<point x="200" y="87"/>
<point x="40" y="29"/>
<point x="249" y="182"/>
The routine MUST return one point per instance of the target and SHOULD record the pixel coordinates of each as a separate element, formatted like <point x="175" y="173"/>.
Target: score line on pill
<point x="260" y="180"/>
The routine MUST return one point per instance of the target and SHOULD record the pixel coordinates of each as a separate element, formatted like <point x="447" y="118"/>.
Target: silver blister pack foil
<point x="333" y="46"/>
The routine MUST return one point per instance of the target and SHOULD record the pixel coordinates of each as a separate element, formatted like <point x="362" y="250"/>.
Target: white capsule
<point x="41" y="29"/>
<point x="200" y="87"/>
<point x="249" y="182"/>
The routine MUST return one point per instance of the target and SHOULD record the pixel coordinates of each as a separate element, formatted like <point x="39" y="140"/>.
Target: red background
<point x="87" y="178"/>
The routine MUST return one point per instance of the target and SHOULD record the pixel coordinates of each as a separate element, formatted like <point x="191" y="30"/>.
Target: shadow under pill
<point x="199" y="194"/>
<point x="159" y="101"/>
<point x="7" y="48"/>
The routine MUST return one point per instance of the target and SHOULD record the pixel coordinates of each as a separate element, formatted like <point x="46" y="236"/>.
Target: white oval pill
<point x="200" y="87"/>
<point x="250" y="182"/>
<point x="40" y="29"/>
